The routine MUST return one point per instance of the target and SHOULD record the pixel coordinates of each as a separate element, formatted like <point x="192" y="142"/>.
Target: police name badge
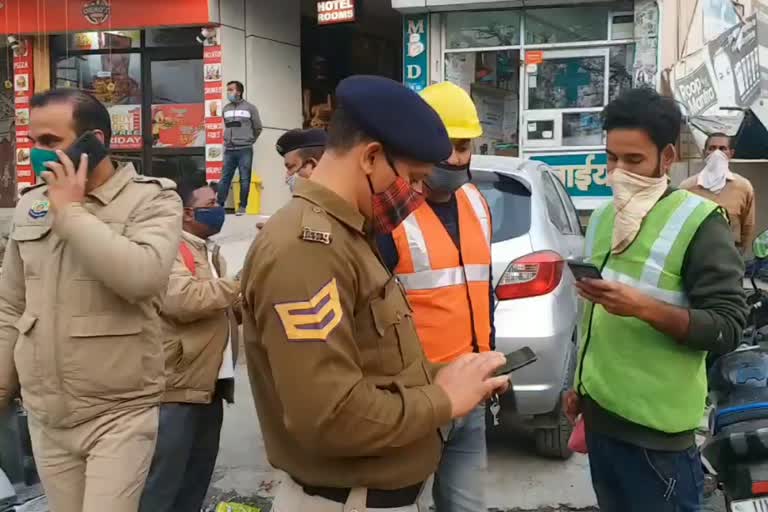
<point x="39" y="209"/>
<point x="311" y="235"/>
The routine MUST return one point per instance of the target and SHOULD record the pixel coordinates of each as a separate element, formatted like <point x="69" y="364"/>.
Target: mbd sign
<point x="335" y="11"/>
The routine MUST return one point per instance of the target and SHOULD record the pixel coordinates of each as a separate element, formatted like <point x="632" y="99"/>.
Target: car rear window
<point x="510" y="204"/>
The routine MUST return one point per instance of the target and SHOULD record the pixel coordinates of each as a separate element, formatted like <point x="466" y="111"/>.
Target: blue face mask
<point x="39" y="157"/>
<point x="212" y="217"/>
<point x="233" y="98"/>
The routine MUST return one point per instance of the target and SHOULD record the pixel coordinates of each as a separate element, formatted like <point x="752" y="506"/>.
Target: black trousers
<point x="185" y="457"/>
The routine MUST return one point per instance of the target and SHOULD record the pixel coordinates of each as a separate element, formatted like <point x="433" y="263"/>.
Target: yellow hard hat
<point x="455" y="108"/>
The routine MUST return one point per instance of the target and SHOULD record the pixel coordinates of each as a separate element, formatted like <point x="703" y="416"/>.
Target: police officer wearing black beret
<point x="301" y="151"/>
<point x="349" y="407"/>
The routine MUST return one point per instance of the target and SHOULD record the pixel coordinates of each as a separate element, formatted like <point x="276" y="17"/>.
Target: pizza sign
<point x="96" y="11"/>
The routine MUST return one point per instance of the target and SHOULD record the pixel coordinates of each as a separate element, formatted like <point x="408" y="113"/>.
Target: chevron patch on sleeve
<point x="313" y="319"/>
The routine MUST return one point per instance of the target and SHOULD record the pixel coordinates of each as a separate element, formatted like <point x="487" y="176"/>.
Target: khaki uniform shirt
<point x="738" y="199"/>
<point x="79" y="299"/>
<point x="343" y="391"/>
<point x="196" y="314"/>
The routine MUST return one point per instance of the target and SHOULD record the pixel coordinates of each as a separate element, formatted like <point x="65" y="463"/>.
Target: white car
<point x="535" y="230"/>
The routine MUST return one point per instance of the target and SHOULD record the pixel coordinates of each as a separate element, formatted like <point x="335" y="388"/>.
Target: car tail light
<point x="759" y="488"/>
<point x="530" y="276"/>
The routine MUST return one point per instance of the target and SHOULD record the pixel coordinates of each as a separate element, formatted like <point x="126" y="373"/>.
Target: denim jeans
<point x="236" y="159"/>
<point x="185" y="457"/>
<point x="628" y="478"/>
<point x="460" y="479"/>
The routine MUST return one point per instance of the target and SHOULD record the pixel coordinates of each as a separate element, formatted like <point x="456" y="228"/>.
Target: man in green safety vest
<point x="671" y="292"/>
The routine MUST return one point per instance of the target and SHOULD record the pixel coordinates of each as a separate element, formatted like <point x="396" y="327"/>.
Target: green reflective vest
<point x="625" y="365"/>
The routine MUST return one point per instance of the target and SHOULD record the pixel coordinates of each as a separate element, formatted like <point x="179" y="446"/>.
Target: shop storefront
<point x="148" y="62"/>
<point x="540" y="76"/>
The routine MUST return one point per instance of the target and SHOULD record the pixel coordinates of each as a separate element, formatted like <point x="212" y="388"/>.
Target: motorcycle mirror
<point x="760" y="246"/>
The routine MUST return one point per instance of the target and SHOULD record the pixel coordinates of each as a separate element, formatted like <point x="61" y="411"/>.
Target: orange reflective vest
<point x="449" y="291"/>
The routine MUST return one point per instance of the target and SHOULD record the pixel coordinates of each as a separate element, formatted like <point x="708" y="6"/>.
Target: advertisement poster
<point x="23" y="89"/>
<point x="178" y="126"/>
<point x="695" y="91"/>
<point x="584" y="176"/>
<point x="330" y="12"/>
<point x="645" y="69"/>
<point x="416" y="51"/>
<point x="126" y="126"/>
<point x="214" y="122"/>
<point x="734" y="58"/>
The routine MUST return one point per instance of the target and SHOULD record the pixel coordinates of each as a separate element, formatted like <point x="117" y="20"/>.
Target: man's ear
<point x="99" y="135"/>
<point x="668" y="157"/>
<point x="368" y="156"/>
<point x="188" y="215"/>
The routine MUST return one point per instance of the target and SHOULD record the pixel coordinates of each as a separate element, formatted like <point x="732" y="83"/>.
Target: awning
<point x="725" y="83"/>
<point x="58" y="16"/>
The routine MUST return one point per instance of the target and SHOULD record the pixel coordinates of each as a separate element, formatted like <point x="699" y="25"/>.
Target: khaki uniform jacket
<point x="343" y="390"/>
<point x="738" y="199"/>
<point x="197" y="318"/>
<point x="79" y="299"/>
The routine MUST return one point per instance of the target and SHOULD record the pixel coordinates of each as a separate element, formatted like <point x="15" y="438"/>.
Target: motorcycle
<point x="737" y="447"/>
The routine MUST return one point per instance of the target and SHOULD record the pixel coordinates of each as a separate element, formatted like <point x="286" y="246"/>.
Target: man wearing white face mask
<point x="671" y="292"/>
<point x="731" y="191"/>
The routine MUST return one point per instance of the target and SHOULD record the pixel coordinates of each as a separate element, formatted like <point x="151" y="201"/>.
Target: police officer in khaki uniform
<point x="199" y="358"/>
<point x="349" y="407"/>
<point x="89" y="255"/>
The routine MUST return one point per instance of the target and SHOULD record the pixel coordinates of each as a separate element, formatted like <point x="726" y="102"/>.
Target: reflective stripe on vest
<point x="448" y="287"/>
<point x="430" y="279"/>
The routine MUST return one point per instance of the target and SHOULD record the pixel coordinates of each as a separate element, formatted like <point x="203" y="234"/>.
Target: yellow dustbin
<point x="254" y="195"/>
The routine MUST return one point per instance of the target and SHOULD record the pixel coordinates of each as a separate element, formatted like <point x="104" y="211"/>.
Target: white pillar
<point x="261" y="42"/>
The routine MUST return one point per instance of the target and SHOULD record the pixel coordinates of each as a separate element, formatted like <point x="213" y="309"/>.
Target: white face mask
<point x="716" y="173"/>
<point x="633" y="197"/>
<point x="291" y="182"/>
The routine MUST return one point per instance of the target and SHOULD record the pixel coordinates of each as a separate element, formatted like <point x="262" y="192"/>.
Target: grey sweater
<point x="242" y="125"/>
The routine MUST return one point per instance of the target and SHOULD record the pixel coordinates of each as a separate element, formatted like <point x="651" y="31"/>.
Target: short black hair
<point x="315" y="152"/>
<point x="88" y="113"/>
<point x="344" y="133"/>
<point x="719" y="134"/>
<point x="238" y="85"/>
<point x="645" y="109"/>
<point x="187" y="184"/>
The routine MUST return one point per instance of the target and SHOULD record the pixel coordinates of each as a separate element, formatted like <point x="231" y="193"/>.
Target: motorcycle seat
<point x="742" y="413"/>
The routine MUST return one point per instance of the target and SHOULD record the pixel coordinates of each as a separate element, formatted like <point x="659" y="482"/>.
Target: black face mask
<point x="447" y="178"/>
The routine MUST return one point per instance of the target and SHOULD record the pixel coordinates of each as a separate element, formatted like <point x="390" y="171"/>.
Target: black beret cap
<point x="395" y="116"/>
<point x="298" y="139"/>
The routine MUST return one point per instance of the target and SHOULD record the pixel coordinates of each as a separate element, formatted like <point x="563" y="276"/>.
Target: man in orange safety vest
<point x="442" y="256"/>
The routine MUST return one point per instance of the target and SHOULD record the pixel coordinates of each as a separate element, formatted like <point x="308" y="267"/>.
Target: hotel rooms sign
<point x="330" y="12"/>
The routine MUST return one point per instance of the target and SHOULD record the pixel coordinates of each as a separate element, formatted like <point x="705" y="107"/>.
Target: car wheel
<point x="552" y="442"/>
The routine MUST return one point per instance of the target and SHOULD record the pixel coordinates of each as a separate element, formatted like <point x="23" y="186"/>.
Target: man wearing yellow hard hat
<point x="442" y="256"/>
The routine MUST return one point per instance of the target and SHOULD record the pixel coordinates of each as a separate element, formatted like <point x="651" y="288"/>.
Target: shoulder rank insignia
<point x="39" y="209"/>
<point x="313" y="319"/>
<point x="311" y="235"/>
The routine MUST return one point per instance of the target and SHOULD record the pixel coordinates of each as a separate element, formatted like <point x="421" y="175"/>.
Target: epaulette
<point x="315" y="226"/>
<point x="164" y="183"/>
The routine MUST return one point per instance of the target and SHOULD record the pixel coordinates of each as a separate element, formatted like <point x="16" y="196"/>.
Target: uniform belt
<point x="377" y="498"/>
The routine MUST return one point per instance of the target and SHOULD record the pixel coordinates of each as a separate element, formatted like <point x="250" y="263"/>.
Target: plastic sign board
<point x="416" y="51"/>
<point x="330" y="12"/>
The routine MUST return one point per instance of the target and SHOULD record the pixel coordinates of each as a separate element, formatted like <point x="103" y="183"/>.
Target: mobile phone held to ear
<point x="516" y="360"/>
<point x="582" y="270"/>
<point x="90" y="145"/>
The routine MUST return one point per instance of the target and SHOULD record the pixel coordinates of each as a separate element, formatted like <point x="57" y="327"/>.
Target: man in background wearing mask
<point x="200" y="338"/>
<point x="349" y="407"/>
<point x="87" y="262"/>
<point x="301" y="151"/>
<point x="671" y="291"/>
<point x="731" y="191"/>
<point x="452" y="310"/>
<point x="242" y="127"/>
